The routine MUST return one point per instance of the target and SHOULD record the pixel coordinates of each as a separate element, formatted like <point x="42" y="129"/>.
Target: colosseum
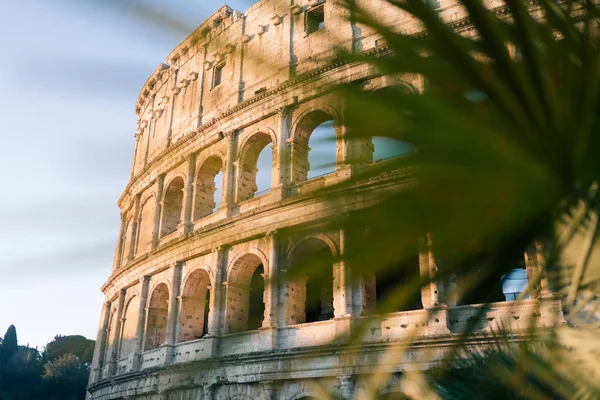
<point x="222" y="165"/>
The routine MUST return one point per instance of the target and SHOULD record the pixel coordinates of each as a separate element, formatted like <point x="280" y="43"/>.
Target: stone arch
<point x="310" y="293"/>
<point x="172" y="206"/>
<point x="193" y="319"/>
<point x="145" y="226"/>
<point x="129" y="326"/>
<point x="245" y="303"/>
<point x="158" y="309"/>
<point x="241" y="396"/>
<point x="303" y="395"/>
<point x="301" y="131"/>
<point x="250" y="150"/>
<point x="204" y="194"/>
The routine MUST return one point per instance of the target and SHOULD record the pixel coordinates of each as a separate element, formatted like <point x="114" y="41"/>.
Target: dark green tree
<point x="9" y="343"/>
<point x="77" y="345"/>
<point x="65" y="378"/>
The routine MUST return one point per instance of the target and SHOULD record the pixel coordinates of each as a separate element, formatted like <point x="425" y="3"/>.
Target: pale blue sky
<point x="70" y="74"/>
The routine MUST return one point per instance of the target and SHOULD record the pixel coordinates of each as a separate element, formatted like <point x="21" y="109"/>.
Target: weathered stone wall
<point x="181" y="295"/>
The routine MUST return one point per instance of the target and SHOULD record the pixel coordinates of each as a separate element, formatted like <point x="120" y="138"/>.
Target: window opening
<point x="315" y="19"/>
<point x="218" y="75"/>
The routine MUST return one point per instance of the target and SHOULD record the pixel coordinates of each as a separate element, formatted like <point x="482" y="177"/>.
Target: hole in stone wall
<point x="315" y="18"/>
<point x="208" y="189"/>
<point x="256" y="305"/>
<point x="156" y="326"/>
<point x="172" y="206"/>
<point x="322" y="150"/>
<point x="385" y="147"/>
<point x="193" y="317"/>
<point x="390" y="281"/>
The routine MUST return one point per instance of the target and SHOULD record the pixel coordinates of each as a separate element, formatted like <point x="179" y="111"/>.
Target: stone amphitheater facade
<point x="179" y="321"/>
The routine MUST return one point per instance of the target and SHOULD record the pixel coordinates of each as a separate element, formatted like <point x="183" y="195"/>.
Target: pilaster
<point x="346" y="387"/>
<point x="173" y="313"/>
<point x="229" y="174"/>
<point x="141" y="325"/>
<point x="120" y="243"/>
<point x="271" y="318"/>
<point x="160" y="182"/>
<point x="101" y="343"/>
<point x="188" y="196"/>
<point x="134" y="229"/>
<point x="114" y="345"/>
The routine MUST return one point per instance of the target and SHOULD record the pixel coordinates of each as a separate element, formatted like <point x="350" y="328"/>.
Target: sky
<point x="70" y="75"/>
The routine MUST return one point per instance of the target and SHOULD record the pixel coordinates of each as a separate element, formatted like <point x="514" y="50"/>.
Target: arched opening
<point x="145" y="226"/>
<point x="245" y="308"/>
<point x="495" y="280"/>
<point x="193" y="319"/>
<point x="386" y="147"/>
<point x="314" y="151"/>
<point x="172" y="205"/>
<point x="158" y="309"/>
<point x="209" y="184"/>
<point x="310" y="293"/>
<point x="256" y="167"/>
<point x="393" y="282"/>
<point x="322" y="150"/>
<point x="129" y="327"/>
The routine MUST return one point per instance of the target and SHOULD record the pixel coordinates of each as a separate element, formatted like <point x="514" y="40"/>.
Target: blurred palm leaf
<point x="506" y="130"/>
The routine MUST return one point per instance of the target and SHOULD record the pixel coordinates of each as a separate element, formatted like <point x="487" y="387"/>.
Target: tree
<point x="65" y="378"/>
<point x="20" y="369"/>
<point x="77" y="345"/>
<point x="9" y="343"/>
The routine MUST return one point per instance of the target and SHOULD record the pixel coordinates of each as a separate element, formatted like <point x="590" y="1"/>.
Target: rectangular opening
<point x="218" y="75"/>
<point x="315" y="18"/>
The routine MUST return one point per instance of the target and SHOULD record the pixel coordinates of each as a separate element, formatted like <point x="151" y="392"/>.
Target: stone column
<point x="214" y="317"/>
<point x="120" y="243"/>
<point x="346" y="387"/>
<point x="160" y="182"/>
<point x="188" y="195"/>
<point x="342" y="282"/>
<point x="534" y="264"/>
<point x="114" y="345"/>
<point x="208" y="392"/>
<point x="101" y="343"/>
<point x="150" y="128"/>
<point x="431" y="292"/>
<point x="343" y="156"/>
<point x="173" y="314"/>
<point x="272" y="283"/>
<point x="141" y="325"/>
<point x="281" y="153"/>
<point x="174" y="70"/>
<point x="137" y="136"/>
<point x="134" y="229"/>
<point x="229" y="174"/>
